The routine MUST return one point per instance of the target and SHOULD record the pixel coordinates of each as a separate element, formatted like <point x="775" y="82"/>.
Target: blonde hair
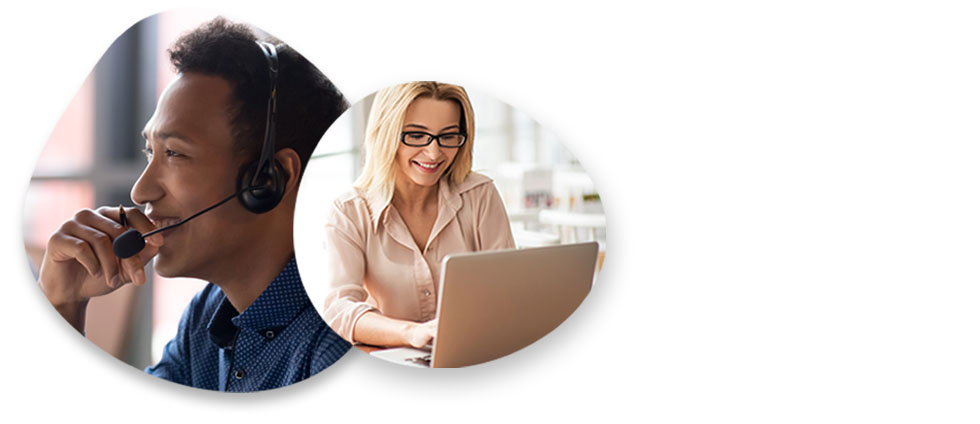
<point x="383" y="135"/>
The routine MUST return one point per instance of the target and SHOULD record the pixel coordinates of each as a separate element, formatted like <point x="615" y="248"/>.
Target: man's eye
<point x="169" y="153"/>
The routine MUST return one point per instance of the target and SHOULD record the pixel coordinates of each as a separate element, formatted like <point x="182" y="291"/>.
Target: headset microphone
<point x="128" y="244"/>
<point x="132" y="241"/>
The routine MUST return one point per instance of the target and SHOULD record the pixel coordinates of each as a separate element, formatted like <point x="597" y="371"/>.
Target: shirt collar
<point x="452" y="194"/>
<point x="277" y="306"/>
<point x="378" y="206"/>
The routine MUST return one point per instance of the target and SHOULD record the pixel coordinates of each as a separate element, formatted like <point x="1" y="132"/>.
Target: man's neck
<point x="251" y="271"/>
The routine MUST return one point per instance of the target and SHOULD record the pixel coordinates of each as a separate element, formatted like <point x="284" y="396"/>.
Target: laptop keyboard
<point x="425" y="361"/>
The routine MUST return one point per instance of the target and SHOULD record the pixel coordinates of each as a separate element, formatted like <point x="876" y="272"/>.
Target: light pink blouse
<point x="375" y="264"/>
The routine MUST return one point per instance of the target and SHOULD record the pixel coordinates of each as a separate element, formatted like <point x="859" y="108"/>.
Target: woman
<point x="415" y="202"/>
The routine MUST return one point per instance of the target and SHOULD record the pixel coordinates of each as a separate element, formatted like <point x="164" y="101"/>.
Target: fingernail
<point x="116" y="281"/>
<point x="140" y="277"/>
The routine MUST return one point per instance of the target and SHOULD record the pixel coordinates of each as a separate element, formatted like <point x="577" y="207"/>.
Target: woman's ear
<point x="289" y="160"/>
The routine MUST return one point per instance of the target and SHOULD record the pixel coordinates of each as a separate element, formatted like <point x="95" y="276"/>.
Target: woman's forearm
<point x="376" y="329"/>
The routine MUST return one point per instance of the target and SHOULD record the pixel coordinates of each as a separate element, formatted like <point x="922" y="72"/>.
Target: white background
<point x="791" y="194"/>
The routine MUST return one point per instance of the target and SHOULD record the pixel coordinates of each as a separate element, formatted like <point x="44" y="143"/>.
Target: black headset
<point x="261" y="184"/>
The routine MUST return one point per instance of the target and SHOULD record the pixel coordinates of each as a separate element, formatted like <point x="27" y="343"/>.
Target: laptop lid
<point x="495" y="303"/>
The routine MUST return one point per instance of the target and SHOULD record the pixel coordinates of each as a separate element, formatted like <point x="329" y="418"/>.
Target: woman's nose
<point x="433" y="150"/>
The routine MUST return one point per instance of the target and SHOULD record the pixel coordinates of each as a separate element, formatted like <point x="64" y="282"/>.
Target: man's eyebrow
<point x="165" y="135"/>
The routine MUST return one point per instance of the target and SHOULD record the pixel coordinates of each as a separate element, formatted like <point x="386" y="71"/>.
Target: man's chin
<point x="166" y="268"/>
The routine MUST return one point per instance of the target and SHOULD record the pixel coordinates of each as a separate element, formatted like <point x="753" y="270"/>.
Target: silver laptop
<point x="495" y="303"/>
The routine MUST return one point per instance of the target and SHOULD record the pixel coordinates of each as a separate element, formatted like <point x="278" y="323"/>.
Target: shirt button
<point x="239" y="374"/>
<point x="426" y="292"/>
<point x="269" y="335"/>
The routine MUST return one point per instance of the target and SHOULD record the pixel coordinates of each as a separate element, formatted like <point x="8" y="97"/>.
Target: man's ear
<point x="289" y="160"/>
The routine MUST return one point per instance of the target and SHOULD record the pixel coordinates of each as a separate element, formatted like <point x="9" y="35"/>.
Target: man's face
<point x="191" y="165"/>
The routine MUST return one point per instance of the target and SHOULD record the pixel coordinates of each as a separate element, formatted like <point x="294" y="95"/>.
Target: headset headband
<point x="268" y="146"/>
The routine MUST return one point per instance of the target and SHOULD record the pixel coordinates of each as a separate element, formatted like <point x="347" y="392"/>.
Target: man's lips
<point x="162" y="221"/>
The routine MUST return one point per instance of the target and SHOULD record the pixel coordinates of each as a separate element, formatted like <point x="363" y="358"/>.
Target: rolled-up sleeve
<point x="346" y="299"/>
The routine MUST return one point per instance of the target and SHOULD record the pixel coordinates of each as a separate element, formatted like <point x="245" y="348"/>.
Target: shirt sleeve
<point x="329" y="348"/>
<point x="346" y="296"/>
<point x="494" y="226"/>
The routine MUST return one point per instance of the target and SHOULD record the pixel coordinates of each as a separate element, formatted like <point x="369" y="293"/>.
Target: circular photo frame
<point x="439" y="227"/>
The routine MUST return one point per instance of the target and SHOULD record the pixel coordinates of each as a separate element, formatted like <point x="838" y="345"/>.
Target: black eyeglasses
<point x="422" y="139"/>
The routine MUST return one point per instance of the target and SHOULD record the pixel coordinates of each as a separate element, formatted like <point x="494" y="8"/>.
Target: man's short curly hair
<point x="307" y="101"/>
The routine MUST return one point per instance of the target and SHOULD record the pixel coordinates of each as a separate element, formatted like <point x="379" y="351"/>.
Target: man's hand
<point x="79" y="264"/>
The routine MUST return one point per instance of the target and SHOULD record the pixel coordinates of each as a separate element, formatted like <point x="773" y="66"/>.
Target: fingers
<point x="136" y="219"/>
<point x="132" y="267"/>
<point x="90" y="245"/>
<point x="430" y="331"/>
<point x="101" y="244"/>
<point x="99" y="228"/>
<point x="431" y="326"/>
<point x="64" y="246"/>
<point x="98" y="221"/>
<point x="423" y="334"/>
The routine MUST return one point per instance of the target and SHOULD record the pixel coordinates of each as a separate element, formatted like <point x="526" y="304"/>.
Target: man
<point x="253" y="327"/>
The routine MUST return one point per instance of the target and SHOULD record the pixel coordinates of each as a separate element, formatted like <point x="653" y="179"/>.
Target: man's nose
<point x="147" y="188"/>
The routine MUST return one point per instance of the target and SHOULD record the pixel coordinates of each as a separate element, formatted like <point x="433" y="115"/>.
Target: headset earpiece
<point x="265" y="191"/>
<point x="262" y="183"/>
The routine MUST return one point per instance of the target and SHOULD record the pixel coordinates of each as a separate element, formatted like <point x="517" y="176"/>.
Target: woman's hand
<point x="375" y="329"/>
<point x="421" y="334"/>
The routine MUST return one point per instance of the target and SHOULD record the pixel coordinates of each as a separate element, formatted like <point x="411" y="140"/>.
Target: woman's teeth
<point x="428" y="165"/>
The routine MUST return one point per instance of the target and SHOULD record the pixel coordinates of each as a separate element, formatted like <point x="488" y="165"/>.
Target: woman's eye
<point x="171" y="153"/>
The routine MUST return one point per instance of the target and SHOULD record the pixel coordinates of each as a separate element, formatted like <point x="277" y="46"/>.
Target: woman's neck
<point x="409" y="196"/>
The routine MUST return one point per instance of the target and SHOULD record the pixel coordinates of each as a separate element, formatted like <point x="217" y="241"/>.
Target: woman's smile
<point x="427" y="167"/>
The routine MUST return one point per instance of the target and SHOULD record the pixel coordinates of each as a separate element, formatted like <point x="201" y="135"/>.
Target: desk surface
<point x="368" y="348"/>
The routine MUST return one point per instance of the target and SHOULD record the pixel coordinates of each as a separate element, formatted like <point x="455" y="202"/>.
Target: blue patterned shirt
<point x="278" y="340"/>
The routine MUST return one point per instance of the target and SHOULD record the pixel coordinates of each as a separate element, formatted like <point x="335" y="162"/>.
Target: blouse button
<point x="239" y="374"/>
<point x="426" y="292"/>
<point x="269" y="335"/>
